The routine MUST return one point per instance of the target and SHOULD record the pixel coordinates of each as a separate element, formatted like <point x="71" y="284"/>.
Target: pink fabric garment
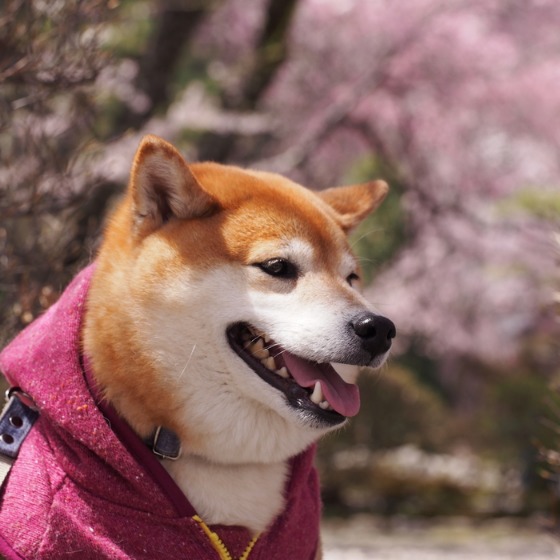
<point x="78" y="491"/>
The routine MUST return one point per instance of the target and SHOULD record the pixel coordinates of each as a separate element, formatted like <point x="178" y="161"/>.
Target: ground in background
<point x="371" y="538"/>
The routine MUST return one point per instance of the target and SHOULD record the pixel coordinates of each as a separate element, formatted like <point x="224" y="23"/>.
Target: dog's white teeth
<point x="258" y="350"/>
<point x="269" y="363"/>
<point x="317" y="395"/>
<point x="262" y="355"/>
<point x="283" y="372"/>
<point x="318" y="398"/>
<point x="266" y="337"/>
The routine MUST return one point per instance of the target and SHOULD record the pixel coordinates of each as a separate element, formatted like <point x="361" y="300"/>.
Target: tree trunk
<point x="271" y="52"/>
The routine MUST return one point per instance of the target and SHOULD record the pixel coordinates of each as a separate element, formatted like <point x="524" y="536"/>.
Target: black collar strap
<point x="164" y="443"/>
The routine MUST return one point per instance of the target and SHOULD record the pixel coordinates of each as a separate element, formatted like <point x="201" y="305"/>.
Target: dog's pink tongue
<point x="343" y="397"/>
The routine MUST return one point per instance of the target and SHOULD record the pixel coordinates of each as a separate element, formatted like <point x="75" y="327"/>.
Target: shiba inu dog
<point x="219" y="300"/>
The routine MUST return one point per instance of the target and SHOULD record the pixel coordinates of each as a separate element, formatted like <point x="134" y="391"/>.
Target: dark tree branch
<point x="177" y="22"/>
<point x="271" y="52"/>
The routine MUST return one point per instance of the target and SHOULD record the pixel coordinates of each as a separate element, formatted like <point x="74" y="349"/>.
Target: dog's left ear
<point x="163" y="187"/>
<point x="354" y="202"/>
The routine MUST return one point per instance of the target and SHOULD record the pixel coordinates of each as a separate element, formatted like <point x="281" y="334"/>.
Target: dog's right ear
<point x="163" y="187"/>
<point x="353" y="203"/>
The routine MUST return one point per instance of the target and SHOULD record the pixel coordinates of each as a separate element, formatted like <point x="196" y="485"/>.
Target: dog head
<point x="221" y="298"/>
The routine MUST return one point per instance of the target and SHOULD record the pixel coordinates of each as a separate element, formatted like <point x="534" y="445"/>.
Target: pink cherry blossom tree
<point x="458" y="98"/>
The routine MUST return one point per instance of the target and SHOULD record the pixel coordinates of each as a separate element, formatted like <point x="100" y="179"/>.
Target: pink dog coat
<point x="85" y="486"/>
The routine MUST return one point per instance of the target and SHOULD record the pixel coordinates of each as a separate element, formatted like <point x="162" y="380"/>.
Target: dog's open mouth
<point x="307" y="385"/>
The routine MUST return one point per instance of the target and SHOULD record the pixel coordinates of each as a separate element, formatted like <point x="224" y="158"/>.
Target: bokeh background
<point x="456" y="103"/>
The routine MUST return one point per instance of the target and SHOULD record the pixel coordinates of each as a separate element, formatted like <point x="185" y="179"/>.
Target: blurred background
<point x="455" y="103"/>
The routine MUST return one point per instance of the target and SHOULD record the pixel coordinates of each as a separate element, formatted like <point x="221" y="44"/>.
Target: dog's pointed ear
<point x="163" y="187"/>
<point x="354" y="202"/>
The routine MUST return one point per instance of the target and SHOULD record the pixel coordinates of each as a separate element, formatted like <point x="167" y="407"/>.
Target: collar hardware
<point x="17" y="419"/>
<point x="165" y="443"/>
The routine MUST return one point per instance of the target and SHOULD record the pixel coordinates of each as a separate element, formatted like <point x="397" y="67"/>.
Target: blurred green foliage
<point x="540" y="203"/>
<point x="403" y="454"/>
<point x="129" y="32"/>
<point x="516" y="423"/>
<point x="400" y="411"/>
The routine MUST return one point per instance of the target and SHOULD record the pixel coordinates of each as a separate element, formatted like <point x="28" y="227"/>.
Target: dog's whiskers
<point x="354" y="242"/>
<point x="188" y="362"/>
<point x="281" y="352"/>
<point x="251" y="341"/>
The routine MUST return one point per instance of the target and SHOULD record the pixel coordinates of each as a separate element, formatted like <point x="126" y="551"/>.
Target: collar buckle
<point x="165" y="444"/>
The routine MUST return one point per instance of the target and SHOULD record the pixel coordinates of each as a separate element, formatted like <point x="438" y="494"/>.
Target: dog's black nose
<point x="376" y="332"/>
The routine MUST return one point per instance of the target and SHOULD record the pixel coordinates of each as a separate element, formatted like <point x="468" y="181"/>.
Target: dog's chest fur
<point x="251" y="496"/>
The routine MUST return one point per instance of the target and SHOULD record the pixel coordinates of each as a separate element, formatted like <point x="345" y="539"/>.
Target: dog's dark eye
<point x="280" y="268"/>
<point x="351" y="278"/>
